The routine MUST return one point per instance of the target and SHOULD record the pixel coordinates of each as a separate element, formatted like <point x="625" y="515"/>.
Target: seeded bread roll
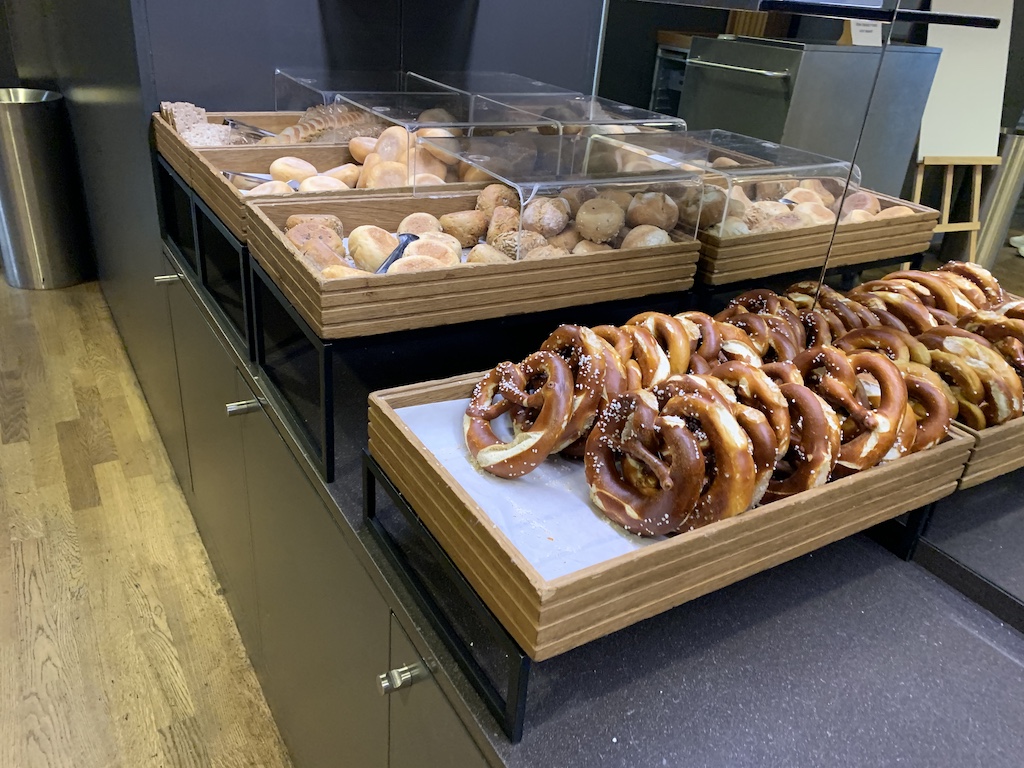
<point x="503" y="219"/>
<point x="516" y="243"/>
<point x="577" y="196"/>
<point x="654" y="208"/>
<point x="619" y="196"/>
<point x="645" y="236"/>
<point x="291" y="169"/>
<point x="599" y="220"/>
<point x="487" y="254"/>
<point x="324" y="219"/>
<point x="546" y="215"/>
<point x="497" y="196"/>
<point x="419" y="223"/>
<point x="465" y="226"/>
<point x="369" y="246"/>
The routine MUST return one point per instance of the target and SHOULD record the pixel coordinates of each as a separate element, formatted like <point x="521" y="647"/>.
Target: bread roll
<point x="487" y="254"/>
<point x="814" y="214"/>
<point x="387" y="174"/>
<point x="577" y="196"/>
<point x="369" y="246"/>
<point x="320" y="256"/>
<point x="449" y="242"/>
<point x="324" y="219"/>
<point x="616" y="242"/>
<point x="620" y="197"/>
<point x="439" y="133"/>
<point x="599" y="220"/>
<point x="857" y="216"/>
<point x="408" y="264"/>
<point x="717" y="205"/>
<point x="418" y="223"/>
<point x="799" y="195"/>
<point x="434" y="249"/>
<point x="568" y="238"/>
<point x="465" y="226"/>
<point x="419" y="160"/>
<point x="781" y="223"/>
<point x="861" y="200"/>
<point x="724" y="162"/>
<point x="774" y="190"/>
<point x="360" y="147"/>
<point x="427" y="180"/>
<point x="322" y="184"/>
<point x="546" y="251"/>
<point x="291" y="169"/>
<point x="372" y="161"/>
<point x="392" y="142"/>
<point x="503" y="219"/>
<point x="302" y="233"/>
<point x="737" y="193"/>
<point x="438" y="115"/>
<point x="546" y="215"/>
<point x="819" y="188"/>
<point x="646" y="236"/>
<point x="895" y="212"/>
<point x="585" y="246"/>
<point x="731" y="227"/>
<point x="761" y="211"/>
<point x="271" y="188"/>
<point x="473" y="175"/>
<point x="517" y="243"/>
<point x="654" y="208"/>
<point x="497" y="196"/>
<point x="348" y="173"/>
<point x="341" y="271"/>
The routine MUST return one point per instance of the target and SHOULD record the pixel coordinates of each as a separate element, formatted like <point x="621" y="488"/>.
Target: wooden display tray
<point x="997" y="451"/>
<point x="344" y="308"/>
<point x="182" y="156"/>
<point x="549" y="617"/>
<point x="729" y="260"/>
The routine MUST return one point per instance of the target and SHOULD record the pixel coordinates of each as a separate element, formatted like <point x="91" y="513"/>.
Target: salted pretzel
<point x="896" y="345"/>
<point x="753" y="325"/>
<point x="912" y="313"/>
<point x="813" y="446"/>
<point x="670" y="334"/>
<point x="597" y="372"/>
<point x="965" y="385"/>
<point x="932" y="402"/>
<point x="649" y="364"/>
<point x="944" y="295"/>
<point x="906" y="434"/>
<point x="621" y="341"/>
<point x="731" y="478"/>
<point x="830" y="373"/>
<point x="783" y="373"/>
<point x="941" y="316"/>
<point x="699" y="365"/>
<point x="888" y="320"/>
<point x="703" y="332"/>
<point x="550" y="377"/>
<point x="631" y="427"/>
<point x="978" y="275"/>
<point x="819" y="333"/>
<point x="971" y="292"/>
<point x="762" y="301"/>
<point x="1013" y="309"/>
<point x="889" y="286"/>
<point x="872" y="443"/>
<point x="754" y="388"/>
<point x="735" y="345"/>
<point x="1005" y="333"/>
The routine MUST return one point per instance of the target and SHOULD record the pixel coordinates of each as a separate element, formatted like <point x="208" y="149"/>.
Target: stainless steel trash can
<point x="44" y="239"/>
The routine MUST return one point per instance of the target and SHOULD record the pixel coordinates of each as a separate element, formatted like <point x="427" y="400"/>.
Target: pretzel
<point x="971" y="292"/>
<point x="729" y="489"/>
<point x="965" y="385"/>
<point x="931" y="402"/>
<point x="597" y="372"/>
<point x="865" y="315"/>
<point x="762" y="301"/>
<point x="819" y="334"/>
<point x="835" y="325"/>
<point x="896" y="345"/>
<point x="649" y="359"/>
<point x="675" y="464"/>
<point x="764" y="447"/>
<point x="553" y="401"/>
<point x="830" y="374"/>
<point x="783" y="373"/>
<point x="906" y="434"/>
<point x="867" y="448"/>
<point x="1005" y="333"/>
<point x="978" y="275"/>
<point x="1012" y="309"/>
<point x="621" y="341"/>
<point x="703" y="332"/>
<point x="941" y="316"/>
<point x="912" y="313"/>
<point x="670" y="334"/>
<point x="784" y="340"/>
<point x="813" y="445"/>
<point x="755" y="389"/>
<point x="736" y="345"/>
<point x="889" y="286"/>
<point x="753" y="325"/>
<point x="944" y="295"/>
<point x="936" y="336"/>
<point x="888" y="320"/>
<point x="699" y="365"/>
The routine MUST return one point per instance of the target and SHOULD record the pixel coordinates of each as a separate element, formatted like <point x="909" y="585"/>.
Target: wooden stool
<point x="973" y="225"/>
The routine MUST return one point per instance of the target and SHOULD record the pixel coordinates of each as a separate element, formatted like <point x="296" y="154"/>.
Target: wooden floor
<point x="116" y="648"/>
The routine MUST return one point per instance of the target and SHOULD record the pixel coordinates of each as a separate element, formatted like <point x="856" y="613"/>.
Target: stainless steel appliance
<point x="814" y="96"/>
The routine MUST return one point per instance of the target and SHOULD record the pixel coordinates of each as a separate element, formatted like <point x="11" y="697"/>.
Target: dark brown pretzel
<point x="964" y="384"/>
<point x="830" y="374"/>
<point x="978" y="275"/>
<point x="819" y="334"/>
<point x="648" y="358"/>
<point x="783" y="373"/>
<point x="944" y="296"/>
<point x="670" y="334"/>
<point x="896" y="345"/>
<point x="754" y="388"/>
<point x="736" y="345"/>
<point x="971" y="292"/>
<point x="762" y="301"/>
<point x="913" y="314"/>
<point x="628" y="428"/>
<point x="868" y="447"/>
<point x="813" y="445"/>
<point x="929" y="398"/>
<point x="553" y="401"/>
<point x="754" y="326"/>
<point x="703" y="332"/>
<point x="621" y="341"/>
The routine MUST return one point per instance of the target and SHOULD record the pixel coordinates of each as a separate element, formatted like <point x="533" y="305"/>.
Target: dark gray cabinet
<point x="425" y="731"/>
<point x="160" y="380"/>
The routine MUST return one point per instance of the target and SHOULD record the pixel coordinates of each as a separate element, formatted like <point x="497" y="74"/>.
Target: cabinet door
<point x="425" y="731"/>
<point x="209" y="381"/>
<point x="323" y="623"/>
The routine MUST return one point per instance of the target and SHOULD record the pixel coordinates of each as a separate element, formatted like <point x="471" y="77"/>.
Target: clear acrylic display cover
<point x="492" y="84"/>
<point x="578" y="113"/>
<point x="579" y="168"/>
<point x="296" y="89"/>
<point x="755" y="186"/>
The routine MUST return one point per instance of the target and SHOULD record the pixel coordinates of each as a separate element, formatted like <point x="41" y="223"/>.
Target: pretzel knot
<point x="932" y="403"/>
<point x="830" y="374"/>
<point x="670" y="335"/>
<point x="542" y="382"/>
<point x="867" y="448"/>
<point x="630" y="428"/>
<point x="814" y="444"/>
<point x="898" y="346"/>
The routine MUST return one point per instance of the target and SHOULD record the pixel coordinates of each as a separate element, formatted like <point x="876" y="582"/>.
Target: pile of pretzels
<point x="689" y="419"/>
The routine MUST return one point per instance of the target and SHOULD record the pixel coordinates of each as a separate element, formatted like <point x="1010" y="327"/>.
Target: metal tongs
<point x="260" y="177"/>
<point x="248" y="128"/>
<point x="403" y="243"/>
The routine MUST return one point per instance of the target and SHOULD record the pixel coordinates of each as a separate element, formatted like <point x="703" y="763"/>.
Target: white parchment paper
<point x="546" y="514"/>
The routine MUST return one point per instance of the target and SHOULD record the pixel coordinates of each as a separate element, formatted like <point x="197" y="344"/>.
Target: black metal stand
<point x="467" y="641"/>
<point x="902" y="537"/>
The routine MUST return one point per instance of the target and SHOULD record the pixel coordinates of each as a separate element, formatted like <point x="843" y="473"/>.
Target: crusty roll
<point x="599" y="220"/>
<point x="547" y="251"/>
<point x="654" y="208"/>
<point x="438" y="133"/>
<point x="372" y="160"/>
<point x="620" y="197"/>
<point x="269" y="188"/>
<point x="319" y="255"/>
<point x="773" y="190"/>
<point x="487" y="254"/>
<point x="427" y="180"/>
<point x="449" y="242"/>
<point x="348" y="173"/>
<point x="503" y="219"/>
<point x="361" y="146"/>
<point x="291" y="169"/>
<point x="577" y="196"/>
<point x="645" y="236"/>
<point x="369" y="246"/>
<point x="857" y="216"/>
<point x="325" y="219"/>
<point x="861" y="200"/>
<point x="518" y="243"/>
<point x="302" y="233"/>
<point x="894" y="212"/>
<point x="387" y="174"/>
<point x="819" y="188"/>
<point x="800" y="195"/>
<point x="546" y="215"/>
<point x="814" y="214"/>
<point x="497" y="196"/>
<point x="418" y="223"/>
<point x="465" y="226"/>
<point x="761" y="211"/>
<point x="568" y="238"/>
<point x="434" y="249"/>
<point x="418" y="160"/>
<point x="392" y="142"/>
<point x="341" y="271"/>
<point x="419" y="263"/>
<point x="322" y="184"/>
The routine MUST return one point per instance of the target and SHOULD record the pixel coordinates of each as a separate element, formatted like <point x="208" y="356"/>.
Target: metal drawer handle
<point x="164" y="279"/>
<point x="774" y="74"/>
<point x="241" y="407"/>
<point x="402" y="677"/>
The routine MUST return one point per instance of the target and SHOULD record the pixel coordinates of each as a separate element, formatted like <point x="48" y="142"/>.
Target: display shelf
<point x="375" y="304"/>
<point x="548" y="617"/>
